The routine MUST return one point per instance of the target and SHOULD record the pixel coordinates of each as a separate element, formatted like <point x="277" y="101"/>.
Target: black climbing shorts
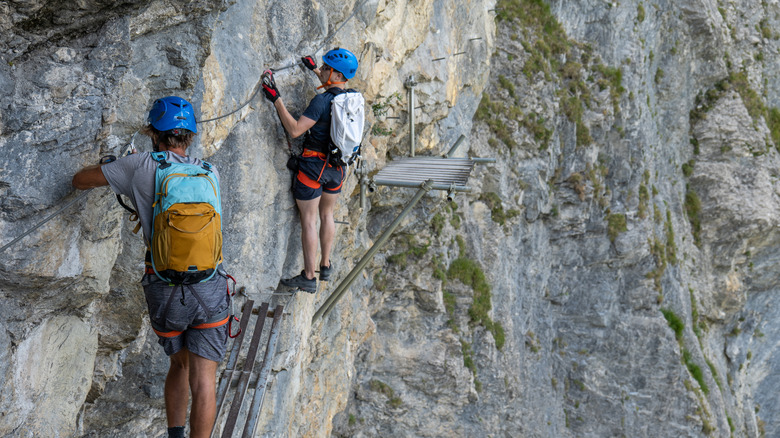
<point x="315" y="175"/>
<point x="180" y="320"/>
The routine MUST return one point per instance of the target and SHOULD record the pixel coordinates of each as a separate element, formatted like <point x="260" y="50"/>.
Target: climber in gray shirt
<point x="194" y="343"/>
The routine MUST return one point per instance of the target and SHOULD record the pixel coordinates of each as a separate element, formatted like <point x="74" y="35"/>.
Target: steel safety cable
<point x="128" y="150"/>
<point x="288" y="66"/>
<point x="254" y="93"/>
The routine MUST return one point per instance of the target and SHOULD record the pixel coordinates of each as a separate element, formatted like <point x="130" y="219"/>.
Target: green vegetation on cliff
<point x="546" y="50"/>
<point x="469" y="273"/>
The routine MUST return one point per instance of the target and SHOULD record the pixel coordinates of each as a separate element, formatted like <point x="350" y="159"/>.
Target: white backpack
<point x="346" y="127"/>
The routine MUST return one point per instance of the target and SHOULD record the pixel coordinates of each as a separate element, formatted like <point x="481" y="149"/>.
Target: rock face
<point x="611" y="274"/>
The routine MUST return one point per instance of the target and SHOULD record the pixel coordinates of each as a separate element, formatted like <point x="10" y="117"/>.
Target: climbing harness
<point x="226" y="316"/>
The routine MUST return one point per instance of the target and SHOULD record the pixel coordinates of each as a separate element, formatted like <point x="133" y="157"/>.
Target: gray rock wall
<point x="618" y="212"/>
<point x="634" y="193"/>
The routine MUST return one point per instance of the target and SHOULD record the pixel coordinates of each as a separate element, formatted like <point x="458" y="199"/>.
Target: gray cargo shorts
<point x="190" y="316"/>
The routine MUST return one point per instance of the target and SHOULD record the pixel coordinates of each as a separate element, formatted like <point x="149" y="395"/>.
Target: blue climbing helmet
<point x="343" y="61"/>
<point x="171" y="113"/>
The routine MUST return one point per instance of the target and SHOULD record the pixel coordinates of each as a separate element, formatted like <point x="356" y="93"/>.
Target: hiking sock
<point x="176" y="432"/>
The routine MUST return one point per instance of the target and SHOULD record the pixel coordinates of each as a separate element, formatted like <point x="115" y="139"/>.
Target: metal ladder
<point x="244" y="375"/>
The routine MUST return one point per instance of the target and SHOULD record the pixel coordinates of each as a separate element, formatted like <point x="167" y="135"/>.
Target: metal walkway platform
<point x="446" y="173"/>
<point x="241" y="381"/>
<point x="424" y="174"/>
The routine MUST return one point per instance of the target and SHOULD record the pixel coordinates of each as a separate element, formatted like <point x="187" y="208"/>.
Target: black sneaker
<point x="301" y="282"/>
<point x="325" y="272"/>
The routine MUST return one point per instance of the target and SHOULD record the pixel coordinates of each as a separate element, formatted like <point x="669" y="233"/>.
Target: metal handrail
<point x="331" y="301"/>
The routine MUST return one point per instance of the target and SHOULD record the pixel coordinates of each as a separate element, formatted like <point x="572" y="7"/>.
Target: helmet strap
<point x="329" y="83"/>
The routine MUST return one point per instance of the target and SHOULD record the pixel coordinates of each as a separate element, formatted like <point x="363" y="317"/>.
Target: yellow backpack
<point x="186" y="240"/>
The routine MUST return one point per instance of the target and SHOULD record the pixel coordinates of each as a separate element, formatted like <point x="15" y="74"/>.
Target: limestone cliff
<point x="610" y="275"/>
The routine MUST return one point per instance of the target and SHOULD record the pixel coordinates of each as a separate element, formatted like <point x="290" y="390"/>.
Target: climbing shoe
<point x="325" y="272"/>
<point x="301" y="282"/>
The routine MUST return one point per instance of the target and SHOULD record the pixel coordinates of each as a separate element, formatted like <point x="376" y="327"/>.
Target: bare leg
<point x="177" y="389"/>
<point x="308" y="211"/>
<point x="203" y="381"/>
<point x="327" y="225"/>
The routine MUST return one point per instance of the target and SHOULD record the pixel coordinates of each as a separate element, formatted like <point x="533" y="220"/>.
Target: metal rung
<point x="423" y="172"/>
<point x="421" y="175"/>
<point x="439" y="162"/>
<point x="428" y="170"/>
<point x="416" y="182"/>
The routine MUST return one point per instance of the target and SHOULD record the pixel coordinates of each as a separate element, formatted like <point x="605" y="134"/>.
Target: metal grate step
<point x="446" y="173"/>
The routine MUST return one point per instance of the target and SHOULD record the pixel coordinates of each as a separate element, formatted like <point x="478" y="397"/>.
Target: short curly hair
<point x="168" y="138"/>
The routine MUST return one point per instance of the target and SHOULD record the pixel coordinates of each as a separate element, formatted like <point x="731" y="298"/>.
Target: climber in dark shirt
<point x="317" y="183"/>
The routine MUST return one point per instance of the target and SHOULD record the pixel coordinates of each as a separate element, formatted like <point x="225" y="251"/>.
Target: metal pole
<point x="454" y="147"/>
<point x="363" y="185"/>
<point x="363" y="189"/>
<point x="410" y="184"/>
<point x="411" y="83"/>
<point x="336" y="295"/>
<point x="262" y="379"/>
<point x="482" y="160"/>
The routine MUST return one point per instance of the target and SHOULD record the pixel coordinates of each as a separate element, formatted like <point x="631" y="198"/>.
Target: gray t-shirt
<point x="133" y="176"/>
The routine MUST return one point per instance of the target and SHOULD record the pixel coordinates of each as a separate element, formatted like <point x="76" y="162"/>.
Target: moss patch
<point x="489" y="112"/>
<point x="383" y="388"/>
<point x="471" y="274"/>
<point x="687" y="168"/>
<point x="497" y="212"/>
<point x="535" y="15"/>
<point x="675" y="323"/>
<point x="773" y="120"/>
<point x="640" y="13"/>
<point x="616" y="224"/>
<point x="437" y="223"/>
<point x="414" y="249"/>
<point x="693" y="209"/>
<point x="695" y="371"/>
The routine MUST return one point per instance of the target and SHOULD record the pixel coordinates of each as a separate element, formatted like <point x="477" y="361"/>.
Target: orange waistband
<point x="149" y="270"/>
<point x="170" y="334"/>
<point x="310" y="153"/>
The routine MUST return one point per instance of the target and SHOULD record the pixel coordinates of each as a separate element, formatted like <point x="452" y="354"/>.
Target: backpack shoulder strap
<point x="161" y="158"/>
<point x="335" y="91"/>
